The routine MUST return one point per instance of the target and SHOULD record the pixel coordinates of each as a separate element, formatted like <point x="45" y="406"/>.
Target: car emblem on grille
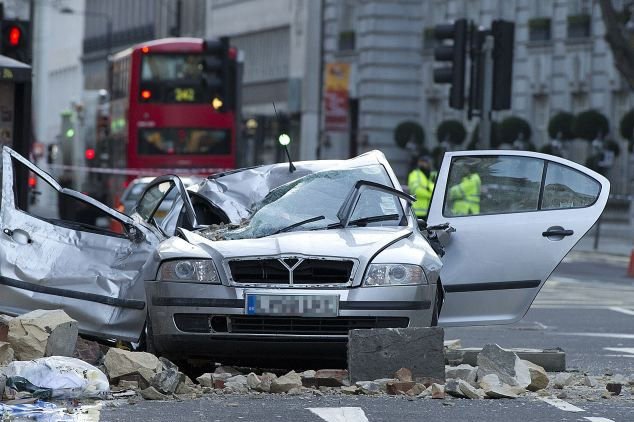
<point x="290" y="264"/>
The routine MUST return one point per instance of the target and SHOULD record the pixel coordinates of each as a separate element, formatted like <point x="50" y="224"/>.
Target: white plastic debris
<point x="67" y="377"/>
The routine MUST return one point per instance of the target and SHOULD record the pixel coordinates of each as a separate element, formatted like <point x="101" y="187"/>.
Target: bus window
<point x="171" y="67"/>
<point x="184" y="141"/>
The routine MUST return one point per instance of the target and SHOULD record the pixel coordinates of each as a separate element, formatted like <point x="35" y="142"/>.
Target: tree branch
<point x="622" y="48"/>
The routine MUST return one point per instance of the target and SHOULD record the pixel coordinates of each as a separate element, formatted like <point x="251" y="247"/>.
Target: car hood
<point x="356" y="243"/>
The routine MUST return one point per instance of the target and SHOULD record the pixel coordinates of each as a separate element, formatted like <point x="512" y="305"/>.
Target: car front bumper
<point x="201" y="320"/>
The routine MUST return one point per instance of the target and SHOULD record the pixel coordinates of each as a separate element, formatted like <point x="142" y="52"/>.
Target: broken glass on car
<point x="312" y="202"/>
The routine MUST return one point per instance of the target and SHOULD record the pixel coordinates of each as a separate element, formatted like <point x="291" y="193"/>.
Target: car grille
<point x="305" y="271"/>
<point x="201" y="323"/>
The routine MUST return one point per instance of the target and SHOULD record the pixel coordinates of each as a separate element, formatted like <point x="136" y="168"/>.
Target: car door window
<point x="568" y="188"/>
<point x="493" y="185"/>
<point x="47" y="203"/>
<point x="151" y="200"/>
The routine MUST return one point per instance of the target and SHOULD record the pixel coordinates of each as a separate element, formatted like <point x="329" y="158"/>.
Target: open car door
<point x="63" y="253"/>
<point x="516" y="215"/>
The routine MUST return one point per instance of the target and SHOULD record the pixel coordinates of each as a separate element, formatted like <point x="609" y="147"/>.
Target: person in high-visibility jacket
<point x="466" y="195"/>
<point x="421" y="186"/>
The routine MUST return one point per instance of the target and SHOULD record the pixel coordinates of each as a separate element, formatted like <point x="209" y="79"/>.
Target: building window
<point x="579" y="26"/>
<point x="539" y="29"/>
<point x="346" y="40"/>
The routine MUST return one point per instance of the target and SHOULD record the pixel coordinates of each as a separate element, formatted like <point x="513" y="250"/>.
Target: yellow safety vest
<point x="421" y="187"/>
<point x="466" y="195"/>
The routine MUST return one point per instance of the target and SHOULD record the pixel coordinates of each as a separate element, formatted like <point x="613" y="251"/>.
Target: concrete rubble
<point x="499" y="373"/>
<point x="42" y="333"/>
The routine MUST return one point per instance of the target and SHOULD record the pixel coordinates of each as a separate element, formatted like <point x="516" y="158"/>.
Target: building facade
<point x="279" y="42"/>
<point x="132" y="22"/>
<point x="562" y="63"/>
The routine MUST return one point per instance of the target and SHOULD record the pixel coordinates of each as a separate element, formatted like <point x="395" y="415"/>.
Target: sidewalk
<point x="614" y="239"/>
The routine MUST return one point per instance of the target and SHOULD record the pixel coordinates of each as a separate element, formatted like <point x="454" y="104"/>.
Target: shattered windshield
<point x="319" y="194"/>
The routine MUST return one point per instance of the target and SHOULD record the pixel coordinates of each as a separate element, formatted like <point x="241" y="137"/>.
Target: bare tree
<point x="620" y="41"/>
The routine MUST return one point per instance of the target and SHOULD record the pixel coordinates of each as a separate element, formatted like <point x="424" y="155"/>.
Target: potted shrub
<point x="590" y="125"/>
<point x="451" y="131"/>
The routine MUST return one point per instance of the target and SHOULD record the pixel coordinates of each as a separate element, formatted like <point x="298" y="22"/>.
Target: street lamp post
<point x="69" y="11"/>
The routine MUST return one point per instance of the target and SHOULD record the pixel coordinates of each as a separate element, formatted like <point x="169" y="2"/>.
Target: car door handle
<point x="19" y="236"/>
<point x="557" y="231"/>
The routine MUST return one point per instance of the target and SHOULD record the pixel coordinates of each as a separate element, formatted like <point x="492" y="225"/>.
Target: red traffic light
<point x="14" y="36"/>
<point x="90" y="154"/>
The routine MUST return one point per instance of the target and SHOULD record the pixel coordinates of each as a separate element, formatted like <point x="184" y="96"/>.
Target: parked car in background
<point x="133" y="192"/>
<point x="258" y="260"/>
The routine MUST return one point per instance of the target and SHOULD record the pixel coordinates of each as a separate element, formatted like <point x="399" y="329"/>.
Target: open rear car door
<point x="62" y="252"/>
<point x="516" y="215"/>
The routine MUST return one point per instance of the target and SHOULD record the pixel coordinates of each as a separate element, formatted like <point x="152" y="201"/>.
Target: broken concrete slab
<point x="505" y="364"/>
<point x="539" y="377"/>
<point x="89" y="351"/>
<point x="120" y="362"/>
<point x="403" y="374"/>
<point x="369" y="387"/>
<point x="453" y="388"/>
<point x="286" y="382"/>
<point x="227" y="370"/>
<point x="563" y="379"/>
<point x="253" y="381"/>
<point x="236" y="384"/>
<point x="205" y="380"/>
<point x="399" y="387"/>
<point x="42" y="333"/>
<point x="452" y="344"/>
<point x="331" y="377"/>
<point x="437" y="391"/>
<point x="463" y="372"/>
<point x="167" y="380"/>
<point x="469" y="391"/>
<point x="552" y="360"/>
<point x="378" y="353"/>
<point x="6" y="353"/>
<point x="152" y="393"/>
<point x="589" y="381"/>
<point x="495" y="389"/>
<point x="416" y="390"/>
<point x="265" y="382"/>
<point x="4" y="326"/>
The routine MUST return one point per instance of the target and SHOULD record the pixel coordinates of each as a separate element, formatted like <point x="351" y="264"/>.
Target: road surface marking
<point x="602" y="335"/>
<point x="561" y="405"/>
<point x="621" y="310"/>
<point x="340" y="414"/>
<point x="596" y="419"/>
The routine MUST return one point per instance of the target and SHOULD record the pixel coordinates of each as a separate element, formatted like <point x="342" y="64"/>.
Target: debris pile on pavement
<point x="42" y="358"/>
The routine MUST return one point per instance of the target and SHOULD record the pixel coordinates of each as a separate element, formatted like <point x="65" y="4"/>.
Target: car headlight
<point x="394" y="275"/>
<point x="192" y="271"/>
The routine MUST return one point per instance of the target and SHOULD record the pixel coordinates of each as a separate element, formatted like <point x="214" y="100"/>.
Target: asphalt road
<point x="586" y="308"/>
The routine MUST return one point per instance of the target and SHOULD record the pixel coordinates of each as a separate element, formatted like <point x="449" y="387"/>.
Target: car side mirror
<point x="422" y="224"/>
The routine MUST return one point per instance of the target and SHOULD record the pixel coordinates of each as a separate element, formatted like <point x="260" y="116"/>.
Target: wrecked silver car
<point x="261" y="257"/>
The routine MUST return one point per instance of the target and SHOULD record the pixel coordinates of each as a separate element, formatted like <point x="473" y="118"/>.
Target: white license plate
<point x="296" y="305"/>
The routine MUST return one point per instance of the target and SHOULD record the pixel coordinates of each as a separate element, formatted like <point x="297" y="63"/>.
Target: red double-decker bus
<point x="173" y="108"/>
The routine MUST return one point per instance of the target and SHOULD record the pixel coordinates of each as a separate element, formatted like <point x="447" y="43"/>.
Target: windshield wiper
<point x="301" y="223"/>
<point x="362" y="222"/>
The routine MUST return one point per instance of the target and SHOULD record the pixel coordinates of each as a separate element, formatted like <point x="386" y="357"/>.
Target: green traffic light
<point x="70" y="133"/>
<point x="284" y="139"/>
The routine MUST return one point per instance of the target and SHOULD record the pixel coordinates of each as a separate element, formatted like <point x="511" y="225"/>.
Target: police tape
<point x="140" y="171"/>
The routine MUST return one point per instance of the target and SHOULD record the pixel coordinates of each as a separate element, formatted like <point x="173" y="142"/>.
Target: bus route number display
<point x="184" y="95"/>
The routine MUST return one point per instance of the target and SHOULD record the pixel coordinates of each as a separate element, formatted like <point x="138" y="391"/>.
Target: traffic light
<point x="504" y="39"/>
<point x="67" y="129"/>
<point x="14" y="42"/>
<point x="455" y="55"/>
<point x="218" y="73"/>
